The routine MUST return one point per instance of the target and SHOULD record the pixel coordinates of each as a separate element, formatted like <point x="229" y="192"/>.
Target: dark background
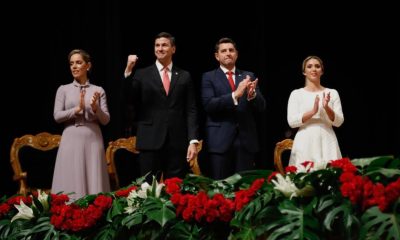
<point x="359" y="46"/>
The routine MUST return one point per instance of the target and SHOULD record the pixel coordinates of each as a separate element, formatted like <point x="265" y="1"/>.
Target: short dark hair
<point x="166" y="35"/>
<point x="224" y="40"/>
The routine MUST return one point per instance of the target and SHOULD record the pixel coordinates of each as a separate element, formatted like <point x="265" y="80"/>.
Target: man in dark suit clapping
<point x="231" y="99"/>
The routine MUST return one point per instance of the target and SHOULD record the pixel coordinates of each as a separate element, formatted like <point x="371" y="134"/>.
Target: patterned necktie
<point x="165" y="80"/>
<point x="231" y="82"/>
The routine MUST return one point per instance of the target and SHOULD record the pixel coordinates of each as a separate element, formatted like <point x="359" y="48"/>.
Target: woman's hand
<point x="94" y="101"/>
<point x="316" y="105"/>
<point x="326" y="99"/>
<point x="81" y="106"/>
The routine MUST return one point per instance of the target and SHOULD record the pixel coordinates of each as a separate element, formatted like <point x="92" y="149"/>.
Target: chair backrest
<point x="194" y="164"/>
<point x="43" y="142"/>
<point x="280" y="147"/>
<point x="129" y="144"/>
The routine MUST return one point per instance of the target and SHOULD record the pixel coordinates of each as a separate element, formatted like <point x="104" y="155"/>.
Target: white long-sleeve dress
<point x="315" y="139"/>
<point x="80" y="164"/>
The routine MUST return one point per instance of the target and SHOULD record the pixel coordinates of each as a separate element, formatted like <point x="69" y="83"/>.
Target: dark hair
<point x="224" y="40"/>
<point x="166" y="35"/>
<point x="303" y="67"/>
<point x="83" y="53"/>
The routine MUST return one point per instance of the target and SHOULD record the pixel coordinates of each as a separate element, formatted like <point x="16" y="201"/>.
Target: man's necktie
<point x="230" y="79"/>
<point x="165" y="80"/>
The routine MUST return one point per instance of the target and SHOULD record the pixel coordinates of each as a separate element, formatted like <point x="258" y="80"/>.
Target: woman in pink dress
<point x="81" y="106"/>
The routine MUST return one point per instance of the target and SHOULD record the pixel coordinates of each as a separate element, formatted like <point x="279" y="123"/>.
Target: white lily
<point x="43" y="199"/>
<point x="303" y="169"/>
<point x="159" y="187"/>
<point x="132" y="202"/>
<point x="286" y="186"/>
<point x="142" y="193"/>
<point x="24" y="212"/>
<point x="145" y="189"/>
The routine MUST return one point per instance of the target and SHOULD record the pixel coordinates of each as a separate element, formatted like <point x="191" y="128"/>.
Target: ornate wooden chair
<point x="194" y="164"/>
<point x="43" y="142"/>
<point x="129" y="144"/>
<point x="280" y="148"/>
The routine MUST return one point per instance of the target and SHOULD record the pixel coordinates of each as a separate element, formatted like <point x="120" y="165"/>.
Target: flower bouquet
<point x="356" y="199"/>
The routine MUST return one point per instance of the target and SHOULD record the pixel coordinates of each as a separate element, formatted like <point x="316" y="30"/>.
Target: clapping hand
<point x="316" y="104"/>
<point x="241" y="88"/>
<point x="94" y="101"/>
<point x="81" y="107"/>
<point x="251" y="89"/>
<point x="326" y="99"/>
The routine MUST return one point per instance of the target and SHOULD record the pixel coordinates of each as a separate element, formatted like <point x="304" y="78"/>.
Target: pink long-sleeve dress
<point x="80" y="165"/>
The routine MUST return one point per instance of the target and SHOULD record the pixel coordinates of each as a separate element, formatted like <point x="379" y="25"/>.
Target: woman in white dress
<point x="81" y="107"/>
<point x="314" y="109"/>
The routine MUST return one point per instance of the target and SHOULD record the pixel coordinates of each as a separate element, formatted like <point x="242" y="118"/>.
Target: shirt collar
<point x="160" y="67"/>
<point x="77" y="84"/>
<point x="225" y="70"/>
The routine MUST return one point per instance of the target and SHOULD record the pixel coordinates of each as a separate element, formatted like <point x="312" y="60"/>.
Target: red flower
<point x="104" y="202"/>
<point x="291" y="169"/>
<point x="272" y="176"/>
<point x="125" y="192"/>
<point x="4" y="208"/>
<point x="345" y="164"/>
<point x="173" y="185"/>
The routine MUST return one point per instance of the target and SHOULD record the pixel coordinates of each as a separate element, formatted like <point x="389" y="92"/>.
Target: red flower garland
<point x="201" y="207"/>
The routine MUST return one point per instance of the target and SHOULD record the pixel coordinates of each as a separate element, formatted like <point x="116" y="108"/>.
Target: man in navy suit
<point x="231" y="132"/>
<point x="164" y="98"/>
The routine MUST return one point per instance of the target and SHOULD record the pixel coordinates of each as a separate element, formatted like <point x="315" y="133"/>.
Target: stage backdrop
<point x="357" y="47"/>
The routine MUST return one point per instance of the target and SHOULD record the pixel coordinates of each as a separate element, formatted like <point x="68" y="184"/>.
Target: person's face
<point x="78" y="66"/>
<point x="226" y="55"/>
<point x="163" y="49"/>
<point x="313" y="70"/>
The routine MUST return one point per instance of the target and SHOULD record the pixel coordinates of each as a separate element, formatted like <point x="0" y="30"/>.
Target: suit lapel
<point x="239" y="77"/>
<point x="157" y="81"/>
<point x="223" y="79"/>
<point x="174" y="79"/>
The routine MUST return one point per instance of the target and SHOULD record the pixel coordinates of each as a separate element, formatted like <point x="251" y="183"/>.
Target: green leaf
<point x="183" y="231"/>
<point x="343" y="213"/>
<point x="248" y="177"/>
<point x="38" y="205"/>
<point x="294" y="223"/>
<point x="133" y="219"/>
<point x="387" y="172"/>
<point x="325" y="202"/>
<point x="256" y="209"/>
<point x="382" y="225"/>
<point x="117" y="208"/>
<point x="158" y="211"/>
<point x="364" y="162"/>
<point x="43" y="224"/>
<point x="246" y="233"/>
